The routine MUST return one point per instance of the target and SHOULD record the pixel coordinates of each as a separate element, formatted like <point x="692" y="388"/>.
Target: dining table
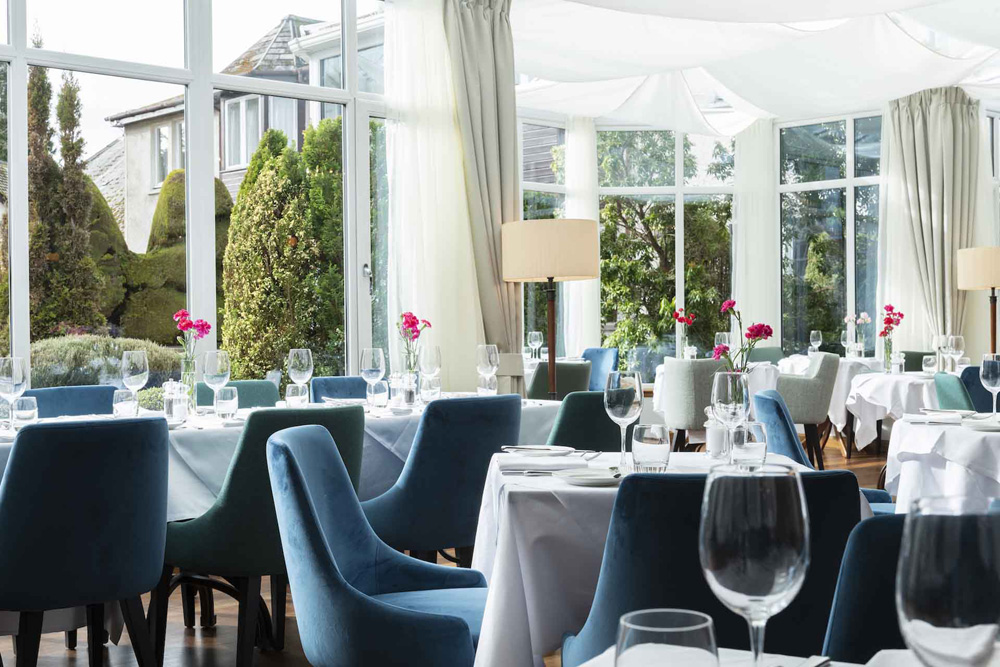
<point x="798" y="364"/>
<point x="874" y="397"/>
<point x="654" y="655"/>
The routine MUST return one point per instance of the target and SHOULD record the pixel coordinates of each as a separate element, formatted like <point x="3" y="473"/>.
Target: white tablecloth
<point x="940" y="460"/>
<point x="655" y="656"/>
<point x="875" y="396"/>
<point x="763" y="375"/>
<point x="539" y="543"/>
<point x="798" y="364"/>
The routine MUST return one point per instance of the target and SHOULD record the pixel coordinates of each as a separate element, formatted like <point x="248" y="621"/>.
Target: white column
<point x="17" y="194"/>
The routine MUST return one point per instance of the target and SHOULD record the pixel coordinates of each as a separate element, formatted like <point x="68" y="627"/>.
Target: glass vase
<point x="887" y="354"/>
<point x="408" y="389"/>
<point x="681" y="340"/>
<point x="189" y="371"/>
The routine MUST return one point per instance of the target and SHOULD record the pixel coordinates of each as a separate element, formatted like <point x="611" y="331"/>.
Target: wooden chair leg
<point x="812" y="445"/>
<point x="825" y="429"/>
<point x="138" y="632"/>
<point x="849" y="430"/>
<point x="157" y="619"/>
<point x="246" y="628"/>
<point x="206" y="600"/>
<point x="878" y="438"/>
<point x="881" y="477"/>
<point x="426" y="556"/>
<point x="29" y="634"/>
<point x="69" y="639"/>
<point x="464" y="556"/>
<point x="187" y="604"/>
<point x="680" y="440"/>
<point x="279" y="595"/>
<point x="95" y="634"/>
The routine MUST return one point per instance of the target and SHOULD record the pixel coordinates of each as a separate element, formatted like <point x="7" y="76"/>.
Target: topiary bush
<point x="151" y="398"/>
<point x="148" y="314"/>
<point x="90" y="359"/>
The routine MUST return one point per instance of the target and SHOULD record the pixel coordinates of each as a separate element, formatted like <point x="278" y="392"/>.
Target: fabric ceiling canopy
<point x="770" y="11"/>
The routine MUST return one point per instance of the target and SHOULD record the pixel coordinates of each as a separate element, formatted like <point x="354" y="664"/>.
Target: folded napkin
<point x="933" y="418"/>
<point x="520" y="462"/>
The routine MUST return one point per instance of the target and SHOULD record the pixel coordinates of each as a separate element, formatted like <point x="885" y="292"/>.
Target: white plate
<point x="174" y="426"/>
<point x="588" y="477"/>
<point x="538" y="450"/>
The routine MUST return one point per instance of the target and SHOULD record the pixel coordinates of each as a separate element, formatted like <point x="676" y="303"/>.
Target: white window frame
<point x="229" y="164"/>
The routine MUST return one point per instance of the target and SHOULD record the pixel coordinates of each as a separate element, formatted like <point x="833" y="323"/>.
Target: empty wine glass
<point x="722" y="338"/>
<point x="217" y="373"/>
<point x="989" y="375"/>
<point x="948" y="581"/>
<point x="956" y="348"/>
<point x="731" y="400"/>
<point x="535" y="342"/>
<point x="845" y="340"/>
<point x="623" y="403"/>
<point x="13" y="382"/>
<point x="666" y="637"/>
<point x="430" y="361"/>
<point x="372" y="368"/>
<point x="300" y="366"/>
<point x="815" y="339"/>
<point x="650" y="448"/>
<point x="487" y="360"/>
<point x="754" y="542"/>
<point x="135" y="369"/>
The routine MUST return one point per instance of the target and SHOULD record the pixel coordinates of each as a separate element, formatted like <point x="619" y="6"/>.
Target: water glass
<point x="754" y="542"/>
<point x="623" y="403"/>
<point x="749" y="446"/>
<point x="543" y="353"/>
<point x="25" y="411"/>
<point x="722" y="338"/>
<point x="13" y="382"/>
<point x="929" y="363"/>
<point x="666" y="637"/>
<point x="135" y="369"/>
<point x="650" y="448"/>
<point x="227" y="402"/>
<point x="948" y="581"/>
<point x="815" y="339"/>
<point x="989" y="375"/>
<point x="296" y="396"/>
<point x="125" y="403"/>
<point x="378" y="394"/>
<point x="300" y="366"/>
<point x="430" y="361"/>
<point x="535" y="341"/>
<point x="487" y="385"/>
<point x="430" y="389"/>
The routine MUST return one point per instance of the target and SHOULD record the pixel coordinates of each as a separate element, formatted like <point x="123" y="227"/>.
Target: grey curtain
<point x="482" y="62"/>
<point x="935" y="136"/>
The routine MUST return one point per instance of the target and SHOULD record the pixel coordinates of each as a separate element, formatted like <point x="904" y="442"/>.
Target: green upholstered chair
<point x="237" y="538"/>
<point x="772" y="354"/>
<point x="583" y="423"/>
<point x="251" y="393"/>
<point x="570" y="376"/>
<point x="915" y="360"/>
<point x="951" y="393"/>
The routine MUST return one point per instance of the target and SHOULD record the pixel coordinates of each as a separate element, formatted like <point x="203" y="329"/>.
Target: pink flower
<point x="720" y="351"/>
<point x="728" y="304"/>
<point x="201" y="328"/>
<point x="425" y="323"/>
<point x="184" y="324"/>
<point x="181" y="315"/>
<point x="889" y="308"/>
<point x="759" y="332"/>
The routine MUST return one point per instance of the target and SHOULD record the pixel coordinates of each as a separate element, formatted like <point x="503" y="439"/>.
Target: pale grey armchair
<point x="808" y="398"/>
<point x="687" y="388"/>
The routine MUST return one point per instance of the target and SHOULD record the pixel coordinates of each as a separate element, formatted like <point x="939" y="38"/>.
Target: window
<point x="4" y="211"/>
<point x="829" y="200"/>
<point x="285" y="117"/>
<point x="168" y="151"/>
<point x="243" y="130"/>
<point x="371" y="51"/>
<point x="378" y="184"/>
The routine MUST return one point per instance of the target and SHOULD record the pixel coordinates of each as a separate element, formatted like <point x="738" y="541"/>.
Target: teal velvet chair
<point x="651" y="561"/>
<point x="863" y="619"/>
<point x="78" y="401"/>
<point x="951" y="393"/>
<point x="583" y="423"/>
<point x="251" y="393"/>
<point x="357" y="601"/>
<point x="603" y="360"/>
<point x="914" y="360"/>
<point x="237" y="538"/>
<point x="434" y="505"/>
<point x="982" y="400"/>
<point x="770" y="354"/>
<point x="346" y="386"/>
<point x="570" y="376"/>
<point x="83" y="510"/>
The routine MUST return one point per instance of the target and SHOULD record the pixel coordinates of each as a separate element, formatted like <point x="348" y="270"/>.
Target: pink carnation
<point x="201" y="328"/>
<point x="727" y="305"/>
<point x="184" y="324"/>
<point x="759" y="332"/>
<point x="181" y="315"/>
<point x="720" y="351"/>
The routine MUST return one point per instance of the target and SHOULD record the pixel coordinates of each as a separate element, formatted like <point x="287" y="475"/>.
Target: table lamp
<point x="979" y="269"/>
<point x="550" y="251"/>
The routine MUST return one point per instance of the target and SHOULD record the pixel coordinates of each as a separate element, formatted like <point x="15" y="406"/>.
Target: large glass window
<point x="4" y="217"/>
<point x="378" y="173"/>
<point x="371" y="50"/>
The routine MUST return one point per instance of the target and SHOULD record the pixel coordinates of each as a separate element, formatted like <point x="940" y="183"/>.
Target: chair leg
<point x="29" y="634"/>
<point x="279" y="593"/>
<point x="138" y="632"/>
<point x="680" y="440"/>
<point x="849" y="430"/>
<point x="812" y="445"/>
<point x="206" y="600"/>
<point x="246" y="629"/>
<point x="878" y="438"/>
<point x="95" y="634"/>
<point x="157" y="620"/>
<point x="464" y="556"/>
<point x="825" y="429"/>
<point x="881" y="477"/>
<point x="187" y="604"/>
<point x="426" y="556"/>
<point x="69" y="639"/>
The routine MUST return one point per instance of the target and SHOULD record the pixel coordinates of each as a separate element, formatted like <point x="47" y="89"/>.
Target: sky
<point x="152" y="33"/>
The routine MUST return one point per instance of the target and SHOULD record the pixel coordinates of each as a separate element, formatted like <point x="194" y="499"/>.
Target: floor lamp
<point x="979" y="269"/>
<point x="550" y="251"/>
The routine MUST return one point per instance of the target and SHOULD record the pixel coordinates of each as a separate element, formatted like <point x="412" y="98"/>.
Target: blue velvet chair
<point x="358" y="602"/>
<point x="91" y="399"/>
<point x="863" y="619"/>
<point x="603" y="360"/>
<point x="250" y="393"/>
<point x="435" y="502"/>
<point x="346" y="386"/>
<point x="583" y="423"/>
<point x="83" y="510"/>
<point x="783" y="439"/>
<point x="651" y="561"/>
<point x="981" y="399"/>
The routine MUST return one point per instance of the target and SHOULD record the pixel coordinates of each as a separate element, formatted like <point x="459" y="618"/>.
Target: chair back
<point x="251" y="393"/>
<point x="782" y="438"/>
<point x="951" y="392"/>
<point x="687" y="384"/>
<point x="341" y="386"/>
<point x="914" y="360"/>
<point x="583" y="423"/>
<point x="772" y="354"/>
<point x="982" y="400"/>
<point x="78" y="401"/>
<point x="602" y="360"/>
<point x="863" y="619"/>
<point x="570" y="376"/>
<point x="83" y="510"/>
<point x="808" y="397"/>
<point x="651" y="560"/>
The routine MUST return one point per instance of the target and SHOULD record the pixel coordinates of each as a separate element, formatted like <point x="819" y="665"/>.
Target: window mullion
<point x="17" y="193"/>
<point x="850" y="241"/>
<point x="679" y="221"/>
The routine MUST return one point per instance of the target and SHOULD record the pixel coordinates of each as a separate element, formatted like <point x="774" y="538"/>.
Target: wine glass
<point x="135" y="370"/>
<point x="217" y="372"/>
<point x="487" y="360"/>
<point x="13" y="382"/>
<point x="722" y="338"/>
<point x="372" y="368"/>
<point x="815" y="339"/>
<point x="430" y="361"/>
<point x="845" y="340"/>
<point x="948" y="581"/>
<point x="989" y="375"/>
<point x="754" y="542"/>
<point x="666" y="637"/>
<point x="623" y="403"/>
<point x="535" y="342"/>
<point x="731" y="400"/>
<point x="956" y="348"/>
<point x="300" y="365"/>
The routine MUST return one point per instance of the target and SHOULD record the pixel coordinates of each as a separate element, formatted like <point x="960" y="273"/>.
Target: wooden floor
<point x="217" y="647"/>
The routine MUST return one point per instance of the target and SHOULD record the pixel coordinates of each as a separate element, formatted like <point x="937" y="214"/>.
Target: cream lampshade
<point x="550" y="251"/>
<point x="979" y="269"/>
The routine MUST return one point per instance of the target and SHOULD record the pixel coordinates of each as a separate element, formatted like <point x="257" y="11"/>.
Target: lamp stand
<point x="993" y="320"/>
<point x="550" y="294"/>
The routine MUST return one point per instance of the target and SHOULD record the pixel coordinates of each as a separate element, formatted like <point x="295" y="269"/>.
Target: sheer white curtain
<point x="431" y="268"/>
<point x="581" y="299"/>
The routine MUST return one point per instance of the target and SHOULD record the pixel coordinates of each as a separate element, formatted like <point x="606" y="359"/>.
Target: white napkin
<point x="933" y="418"/>
<point x="519" y="462"/>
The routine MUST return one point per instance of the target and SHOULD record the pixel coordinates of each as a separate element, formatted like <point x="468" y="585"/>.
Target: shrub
<point x="147" y="314"/>
<point x="91" y="359"/>
<point x="151" y="398"/>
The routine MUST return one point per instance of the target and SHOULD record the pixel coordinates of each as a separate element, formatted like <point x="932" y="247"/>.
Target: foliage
<point x="147" y="314"/>
<point x="93" y="359"/>
<point x="151" y="398"/>
<point x="541" y="206"/>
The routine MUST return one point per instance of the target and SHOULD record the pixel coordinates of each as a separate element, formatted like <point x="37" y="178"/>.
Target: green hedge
<point x="148" y="313"/>
<point x="90" y="359"/>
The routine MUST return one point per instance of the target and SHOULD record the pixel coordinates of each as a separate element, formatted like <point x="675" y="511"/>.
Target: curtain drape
<point x="581" y="299"/>
<point x="481" y="49"/>
<point x="931" y="190"/>
<point x="431" y="267"/>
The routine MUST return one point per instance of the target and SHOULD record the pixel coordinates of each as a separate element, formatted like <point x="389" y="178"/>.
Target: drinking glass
<point x="989" y="375"/>
<point x="430" y="361"/>
<point x="750" y="446"/>
<point x="217" y="372"/>
<point x="372" y="368"/>
<point x="722" y="338"/>
<point x="378" y="394"/>
<point x="300" y="366"/>
<point x="535" y="341"/>
<point x="929" y="363"/>
<point x="731" y="400"/>
<point x="487" y="385"/>
<point x="754" y="542"/>
<point x="487" y="359"/>
<point x="650" y="448"/>
<point x="666" y="637"/>
<point x="623" y="403"/>
<point x="25" y="411"/>
<point x="430" y="389"/>
<point x="296" y="396"/>
<point x="227" y="402"/>
<point x="845" y="341"/>
<point x="815" y="339"/>
<point x="543" y="353"/>
<point x="125" y="403"/>
<point x="956" y="348"/>
<point x="948" y="581"/>
<point x="175" y="403"/>
<point x="135" y="369"/>
<point x="13" y="382"/>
